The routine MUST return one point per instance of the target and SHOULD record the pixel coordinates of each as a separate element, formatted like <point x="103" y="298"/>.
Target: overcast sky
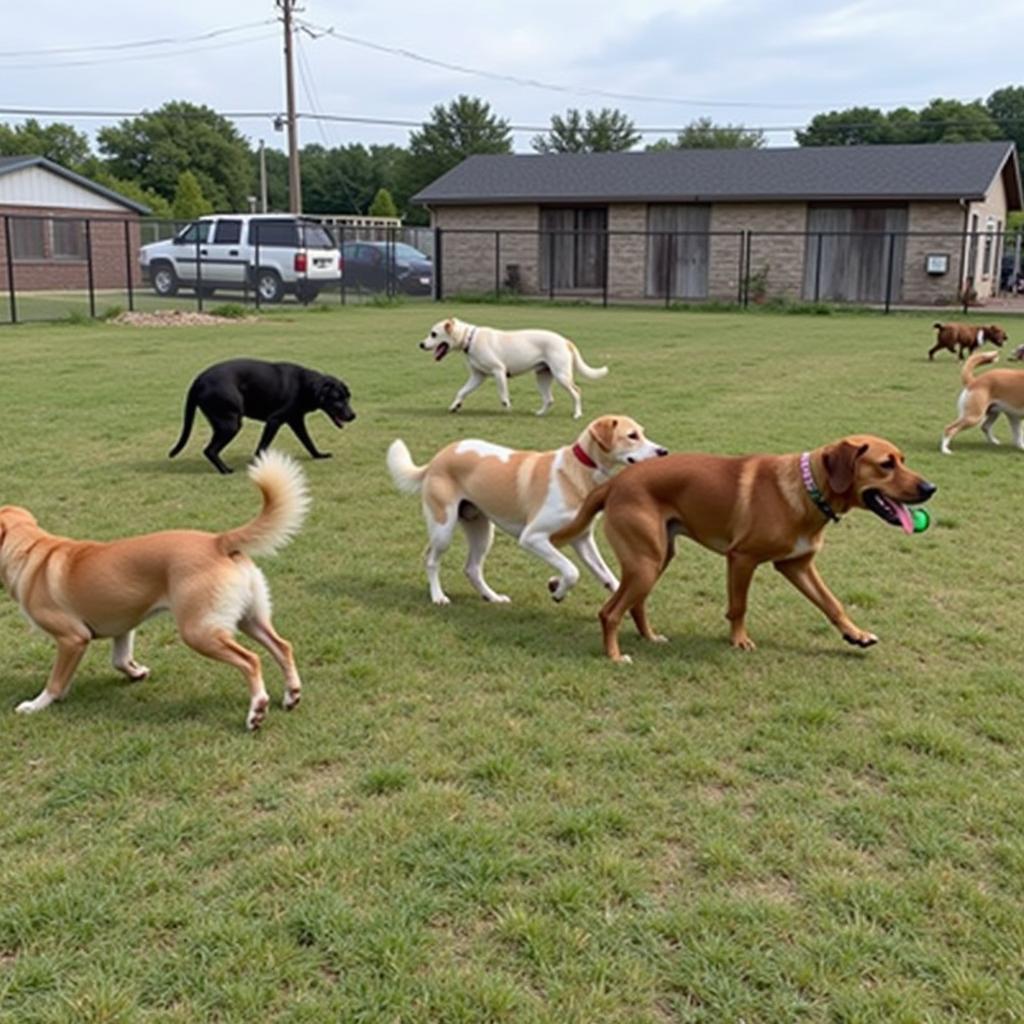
<point x="744" y="61"/>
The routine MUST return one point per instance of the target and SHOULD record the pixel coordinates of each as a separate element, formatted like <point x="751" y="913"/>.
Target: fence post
<point x="739" y="270"/>
<point x="888" y="276"/>
<point x="497" y="264"/>
<point x="8" y="252"/>
<point x="89" y="267"/>
<point x="817" y="270"/>
<point x="438" y="266"/>
<point x="341" y="267"/>
<point x="199" y="268"/>
<point x="604" y="273"/>
<point x="128" y="264"/>
<point x="669" y="248"/>
<point x="746" y="272"/>
<point x="551" y="265"/>
<point x="256" y="268"/>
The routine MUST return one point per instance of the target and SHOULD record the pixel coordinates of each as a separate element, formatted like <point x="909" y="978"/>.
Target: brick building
<point x="54" y="219"/>
<point x="916" y="223"/>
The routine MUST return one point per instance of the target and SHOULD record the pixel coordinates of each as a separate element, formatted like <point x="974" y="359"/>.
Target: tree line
<point x="183" y="159"/>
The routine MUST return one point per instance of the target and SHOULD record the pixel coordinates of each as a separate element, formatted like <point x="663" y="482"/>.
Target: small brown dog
<point x="984" y="398"/>
<point x="80" y="590"/>
<point x="752" y="509"/>
<point x="962" y="338"/>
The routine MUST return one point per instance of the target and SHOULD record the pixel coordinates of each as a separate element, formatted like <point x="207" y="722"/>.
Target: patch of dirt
<point x="179" y="318"/>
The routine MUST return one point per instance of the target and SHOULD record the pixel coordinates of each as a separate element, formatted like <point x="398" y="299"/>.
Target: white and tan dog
<point x="504" y="354"/>
<point x="530" y="495"/>
<point x="984" y="398"/>
<point x="81" y="590"/>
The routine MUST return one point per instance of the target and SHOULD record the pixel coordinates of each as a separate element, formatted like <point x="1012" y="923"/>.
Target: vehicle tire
<point x="269" y="286"/>
<point x="306" y="292"/>
<point x="165" y="280"/>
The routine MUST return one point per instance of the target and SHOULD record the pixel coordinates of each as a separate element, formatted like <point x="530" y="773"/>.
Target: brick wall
<point x="935" y="228"/>
<point x="772" y="248"/>
<point x="468" y="260"/>
<point x="110" y="268"/>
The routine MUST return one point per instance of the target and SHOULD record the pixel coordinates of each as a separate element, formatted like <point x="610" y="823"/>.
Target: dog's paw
<point x="611" y="585"/>
<point x="558" y="588"/>
<point x="623" y="659"/>
<point x="658" y="638"/>
<point x="136" y="672"/>
<point x="291" y="699"/>
<point x="743" y="643"/>
<point x="30" y="707"/>
<point x="441" y="600"/>
<point x="323" y="455"/>
<point x="498" y="599"/>
<point x="455" y="408"/>
<point x="257" y="713"/>
<point x="861" y="639"/>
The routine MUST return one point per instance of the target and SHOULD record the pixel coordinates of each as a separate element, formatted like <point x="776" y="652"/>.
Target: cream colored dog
<point x="81" y="590"/>
<point x="984" y="398"/>
<point x="504" y="354"/>
<point x="477" y="484"/>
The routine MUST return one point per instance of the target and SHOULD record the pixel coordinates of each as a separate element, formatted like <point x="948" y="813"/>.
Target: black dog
<point x="277" y="393"/>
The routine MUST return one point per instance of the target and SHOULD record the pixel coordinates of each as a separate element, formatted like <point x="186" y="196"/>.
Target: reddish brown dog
<point x="962" y="338"/>
<point x="752" y="509"/>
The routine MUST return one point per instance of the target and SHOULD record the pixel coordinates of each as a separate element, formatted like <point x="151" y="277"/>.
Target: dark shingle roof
<point x="933" y="171"/>
<point x="17" y="163"/>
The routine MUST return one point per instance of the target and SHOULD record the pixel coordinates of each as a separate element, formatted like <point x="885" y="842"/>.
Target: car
<point x="272" y="254"/>
<point x="371" y="265"/>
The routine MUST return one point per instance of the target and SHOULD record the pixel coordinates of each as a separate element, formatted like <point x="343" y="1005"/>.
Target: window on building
<point x="28" y="238"/>
<point x="572" y="244"/>
<point x="67" y="239"/>
<point x="990" y="238"/>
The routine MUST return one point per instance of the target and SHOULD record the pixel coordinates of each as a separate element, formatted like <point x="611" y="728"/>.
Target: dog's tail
<point x="408" y="477"/>
<point x="973" y="362"/>
<point x="590" y="372"/>
<point x="938" y="326"/>
<point x="592" y="504"/>
<point x="186" y="427"/>
<point x="285" y="503"/>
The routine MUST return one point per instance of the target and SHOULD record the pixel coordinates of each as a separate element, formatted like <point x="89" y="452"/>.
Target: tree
<point x="856" y="126"/>
<point x="464" y="128"/>
<point x="158" y="206"/>
<point x="383" y="205"/>
<point x="603" y="131"/>
<point x="189" y="201"/>
<point x="156" y="147"/>
<point x="58" y="142"/>
<point x="1006" y="107"/>
<point x="705" y="134"/>
<point x="954" y="121"/>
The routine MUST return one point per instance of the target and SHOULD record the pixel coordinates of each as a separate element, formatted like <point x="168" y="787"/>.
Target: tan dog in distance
<point x="504" y="354"/>
<point x="82" y="590"/>
<point x="984" y="398"/>
<point x="476" y="484"/>
<point x="962" y="338"/>
<point x="752" y="509"/>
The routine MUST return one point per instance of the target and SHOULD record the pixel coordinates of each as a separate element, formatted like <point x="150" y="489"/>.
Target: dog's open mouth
<point x="441" y="351"/>
<point x="336" y="420"/>
<point x="894" y="512"/>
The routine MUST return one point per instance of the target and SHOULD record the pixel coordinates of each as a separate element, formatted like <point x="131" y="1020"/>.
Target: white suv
<point x="275" y="254"/>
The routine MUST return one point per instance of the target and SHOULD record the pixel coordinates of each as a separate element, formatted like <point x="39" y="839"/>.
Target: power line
<point x="165" y="41"/>
<point x="534" y="83"/>
<point x="394" y="122"/>
<point x="136" y="57"/>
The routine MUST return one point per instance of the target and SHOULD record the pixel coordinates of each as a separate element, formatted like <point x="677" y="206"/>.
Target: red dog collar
<point x="584" y="457"/>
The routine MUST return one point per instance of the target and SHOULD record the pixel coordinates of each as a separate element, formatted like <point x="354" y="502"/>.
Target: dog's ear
<point x="449" y="326"/>
<point x="603" y="432"/>
<point x="840" y="460"/>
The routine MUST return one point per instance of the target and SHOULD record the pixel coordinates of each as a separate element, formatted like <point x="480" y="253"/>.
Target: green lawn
<point x="474" y="816"/>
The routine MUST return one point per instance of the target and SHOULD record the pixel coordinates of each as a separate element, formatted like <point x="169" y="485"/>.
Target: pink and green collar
<point x="812" y="489"/>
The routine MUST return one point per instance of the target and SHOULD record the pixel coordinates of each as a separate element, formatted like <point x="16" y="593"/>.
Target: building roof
<point x="939" y="171"/>
<point x="8" y="164"/>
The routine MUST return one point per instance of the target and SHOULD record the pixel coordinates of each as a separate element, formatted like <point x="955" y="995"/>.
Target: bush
<point x="111" y="312"/>
<point x="230" y="311"/>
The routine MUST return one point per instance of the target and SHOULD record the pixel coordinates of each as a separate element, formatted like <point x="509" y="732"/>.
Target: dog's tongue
<point x="906" y="522"/>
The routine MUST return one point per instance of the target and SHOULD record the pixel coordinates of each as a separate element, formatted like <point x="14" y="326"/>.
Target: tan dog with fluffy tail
<point x="82" y="590"/>
<point x="984" y="398"/>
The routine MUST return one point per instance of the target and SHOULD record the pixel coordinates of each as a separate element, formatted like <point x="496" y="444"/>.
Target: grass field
<point x="474" y="816"/>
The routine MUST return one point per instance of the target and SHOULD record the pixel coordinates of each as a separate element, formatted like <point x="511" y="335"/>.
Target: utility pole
<point x="263" y="177"/>
<point x="294" y="180"/>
